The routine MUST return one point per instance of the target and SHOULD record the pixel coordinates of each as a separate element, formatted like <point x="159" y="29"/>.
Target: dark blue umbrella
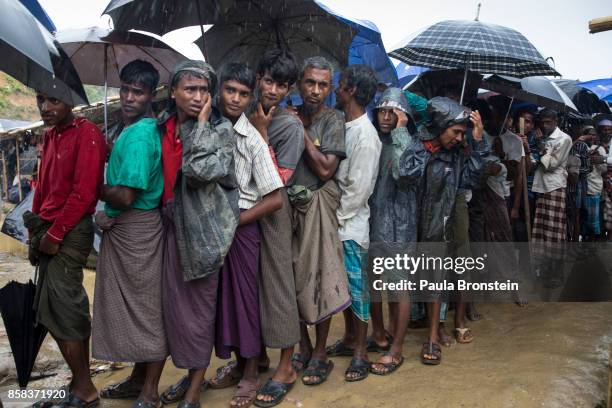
<point x="406" y="73"/>
<point x="41" y="15"/>
<point x="601" y="87"/>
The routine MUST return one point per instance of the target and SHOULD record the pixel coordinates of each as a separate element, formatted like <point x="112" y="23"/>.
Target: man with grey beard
<point x="321" y="282"/>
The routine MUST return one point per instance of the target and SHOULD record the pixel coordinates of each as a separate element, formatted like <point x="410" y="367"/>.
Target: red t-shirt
<point x="71" y="175"/>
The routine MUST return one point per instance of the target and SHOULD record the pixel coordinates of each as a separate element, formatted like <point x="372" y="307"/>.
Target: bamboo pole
<point x="4" y="176"/>
<point x="18" y="169"/>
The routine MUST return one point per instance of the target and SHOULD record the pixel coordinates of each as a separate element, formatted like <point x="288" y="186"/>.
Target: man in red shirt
<point x="61" y="236"/>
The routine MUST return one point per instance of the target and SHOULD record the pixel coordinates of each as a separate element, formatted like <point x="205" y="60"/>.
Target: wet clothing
<point x="551" y="175"/>
<point x="71" y="175"/>
<point x="135" y="162"/>
<point x="277" y="284"/>
<point x="128" y="322"/>
<point x="355" y="263"/>
<point x="327" y="132"/>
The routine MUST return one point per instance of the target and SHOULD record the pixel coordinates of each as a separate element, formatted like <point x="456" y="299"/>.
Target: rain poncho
<point x="438" y="176"/>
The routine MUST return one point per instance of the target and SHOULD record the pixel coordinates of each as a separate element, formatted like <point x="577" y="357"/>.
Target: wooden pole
<point x="4" y="176"/>
<point x="527" y="210"/>
<point x="18" y="169"/>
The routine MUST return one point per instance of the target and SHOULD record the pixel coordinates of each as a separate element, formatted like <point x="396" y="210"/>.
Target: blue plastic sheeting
<point x="601" y="87"/>
<point x="41" y="15"/>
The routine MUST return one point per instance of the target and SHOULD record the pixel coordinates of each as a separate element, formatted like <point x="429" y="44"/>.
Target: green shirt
<point x="135" y="162"/>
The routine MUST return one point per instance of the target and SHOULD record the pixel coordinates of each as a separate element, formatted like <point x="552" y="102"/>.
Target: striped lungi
<point x="549" y="225"/>
<point x="280" y="320"/>
<point x="591" y="225"/>
<point x="127" y="314"/>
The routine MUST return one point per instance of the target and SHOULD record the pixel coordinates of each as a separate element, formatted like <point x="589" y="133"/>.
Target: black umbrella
<point x="163" y="16"/>
<point x="31" y="55"/>
<point x="25" y="337"/>
<point x="305" y="27"/>
<point x="438" y="82"/>
<point x="476" y="46"/>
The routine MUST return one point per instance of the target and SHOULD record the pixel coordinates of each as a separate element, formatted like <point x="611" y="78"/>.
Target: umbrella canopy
<point x="25" y="337"/>
<point x="440" y="82"/>
<point x="486" y="48"/>
<point x="163" y="16"/>
<point x="250" y="27"/>
<point x="407" y="73"/>
<point x="585" y="100"/>
<point x="31" y="55"/>
<point x="89" y="48"/>
<point x="367" y="48"/>
<point x="538" y="90"/>
<point x="41" y="15"/>
<point x="601" y="87"/>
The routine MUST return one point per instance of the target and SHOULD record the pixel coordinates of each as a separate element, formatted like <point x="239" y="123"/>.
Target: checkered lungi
<point x="550" y="224"/>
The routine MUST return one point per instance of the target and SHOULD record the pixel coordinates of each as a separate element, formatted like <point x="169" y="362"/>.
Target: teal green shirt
<point x="135" y="162"/>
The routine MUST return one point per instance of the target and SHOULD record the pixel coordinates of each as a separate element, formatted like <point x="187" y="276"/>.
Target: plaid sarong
<point x="355" y="263"/>
<point x="549" y="226"/>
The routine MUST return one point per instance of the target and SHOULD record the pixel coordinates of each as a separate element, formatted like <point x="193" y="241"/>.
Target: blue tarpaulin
<point x="601" y="87"/>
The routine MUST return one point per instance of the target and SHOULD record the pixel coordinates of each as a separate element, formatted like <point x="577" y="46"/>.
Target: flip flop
<point x="388" y="368"/>
<point x="464" y="335"/>
<point x="275" y="389"/>
<point x="124" y="389"/>
<point x="339" y="349"/>
<point x="317" y="368"/>
<point x="72" y="401"/>
<point x="373" y="346"/>
<point x="175" y="392"/>
<point x="301" y="359"/>
<point x="247" y="389"/>
<point x="224" y="378"/>
<point x="358" y="366"/>
<point x="140" y="403"/>
<point x="431" y="349"/>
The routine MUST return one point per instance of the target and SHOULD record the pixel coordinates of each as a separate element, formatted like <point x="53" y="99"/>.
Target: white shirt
<point x="513" y="147"/>
<point x="256" y="173"/>
<point x="595" y="178"/>
<point x="551" y="173"/>
<point x="356" y="178"/>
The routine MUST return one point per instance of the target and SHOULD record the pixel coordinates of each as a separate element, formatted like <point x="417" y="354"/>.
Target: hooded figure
<point x="439" y="172"/>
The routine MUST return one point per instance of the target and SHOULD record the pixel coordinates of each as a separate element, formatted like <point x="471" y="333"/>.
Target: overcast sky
<point x="559" y="29"/>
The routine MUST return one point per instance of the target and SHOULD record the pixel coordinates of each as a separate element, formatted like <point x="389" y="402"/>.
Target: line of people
<point x="231" y="221"/>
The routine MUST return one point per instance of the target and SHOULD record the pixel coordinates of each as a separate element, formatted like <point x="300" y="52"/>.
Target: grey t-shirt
<point x="328" y="133"/>
<point x="286" y="136"/>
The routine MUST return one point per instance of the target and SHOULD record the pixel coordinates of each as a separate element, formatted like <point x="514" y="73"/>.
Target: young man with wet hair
<point x="61" y="236"/>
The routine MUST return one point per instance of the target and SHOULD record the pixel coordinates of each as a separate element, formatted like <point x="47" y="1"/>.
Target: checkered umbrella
<point x="485" y="48"/>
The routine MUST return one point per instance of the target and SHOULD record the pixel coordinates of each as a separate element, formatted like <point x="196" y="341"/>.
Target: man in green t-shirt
<point x="127" y="317"/>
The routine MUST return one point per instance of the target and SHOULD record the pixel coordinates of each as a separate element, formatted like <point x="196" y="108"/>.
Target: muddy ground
<point x="545" y="355"/>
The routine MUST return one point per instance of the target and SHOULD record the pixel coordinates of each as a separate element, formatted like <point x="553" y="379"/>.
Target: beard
<point x="310" y="109"/>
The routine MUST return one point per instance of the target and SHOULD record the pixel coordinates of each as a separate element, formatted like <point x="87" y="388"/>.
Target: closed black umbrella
<point x="25" y="337"/>
<point x="31" y="55"/>
<point x="305" y="27"/>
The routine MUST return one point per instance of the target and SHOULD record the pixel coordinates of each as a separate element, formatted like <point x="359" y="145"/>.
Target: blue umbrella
<point x="601" y="87"/>
<point x="41" y="15"/>
<point x="368" y="48"/>
<point x="407" y="73"/>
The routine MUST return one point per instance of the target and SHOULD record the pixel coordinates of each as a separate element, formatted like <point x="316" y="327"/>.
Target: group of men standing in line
<point x="232" y="222"/>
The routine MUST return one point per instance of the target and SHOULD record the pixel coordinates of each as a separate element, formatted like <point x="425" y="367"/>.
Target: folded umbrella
<point x="250" y="27"/>
<point x="31" y="55"/>
<point x="25" y="336"/>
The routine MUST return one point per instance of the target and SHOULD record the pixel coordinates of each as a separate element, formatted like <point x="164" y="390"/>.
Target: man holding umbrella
<point x="61" y="236"/>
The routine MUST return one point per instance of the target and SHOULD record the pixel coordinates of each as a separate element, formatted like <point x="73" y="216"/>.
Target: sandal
<point x="464" y="335"/>
<point x="224" y="378"/>
<point x="275" y="389"/>
<point x="373" y="346"/>
<point x="72" y="401"/>
<point x="185" y="404"/>
<point x="380" y="368"/>
<point x="261" y="368"/>
<point x="175" y="392"/>
<point x="48" y="403"/>
<point x="318" y="369"/>
<point x="299" y="361"/>
<point x="140" y="403"/>
<point x="431" y="349"/>
<point x="339" y="349"/>
<point x="122" y="390"/>
<point x="246" y="391"/>
<point x="358" y="366"/>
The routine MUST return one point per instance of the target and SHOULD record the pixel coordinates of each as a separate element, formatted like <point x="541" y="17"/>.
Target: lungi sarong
<point x="355" y="262"/>
<point x="549" y="227"/>
<point x="238" y="324"/>
<point x="128" y="324"/>
<point x="322" y="284"/>
<point x="280" y="320"/>
<point x="62" y="305"/>
<point x="591" y="223"/>
<point x="189" y="307"/>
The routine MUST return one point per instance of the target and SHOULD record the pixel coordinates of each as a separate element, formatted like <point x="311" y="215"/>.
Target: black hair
<point x="547" y="113"/>
<point x="520" y="112"/>
<point x="364" y="80"/>
<point x="142" y="72"/>
<point x="499" y="104"/>
<point x="281" y="65"/>
<point x="239" y="72"/>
